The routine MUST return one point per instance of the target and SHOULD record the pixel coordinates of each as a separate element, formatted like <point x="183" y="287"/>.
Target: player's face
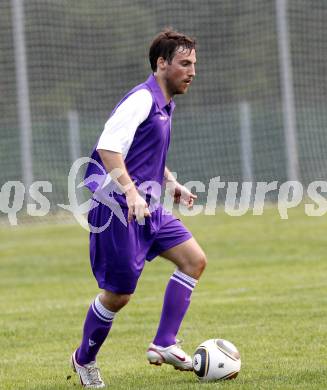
<point x="180" y="72"/>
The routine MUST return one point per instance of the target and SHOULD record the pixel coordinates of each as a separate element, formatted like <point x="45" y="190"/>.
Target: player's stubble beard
<point x="176" y="88"/>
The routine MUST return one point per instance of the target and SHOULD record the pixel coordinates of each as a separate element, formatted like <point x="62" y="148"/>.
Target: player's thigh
<point x="188" y="257"/>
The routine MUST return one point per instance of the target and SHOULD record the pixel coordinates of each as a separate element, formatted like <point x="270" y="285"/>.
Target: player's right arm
<point x="137" y="206"/>
<point x="114" y="144"/>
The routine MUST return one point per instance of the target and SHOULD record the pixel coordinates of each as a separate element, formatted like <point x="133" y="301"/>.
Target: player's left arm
<point x="180" y="193"/>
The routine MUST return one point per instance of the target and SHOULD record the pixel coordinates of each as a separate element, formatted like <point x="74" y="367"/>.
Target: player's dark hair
<point x="165" y="45"/>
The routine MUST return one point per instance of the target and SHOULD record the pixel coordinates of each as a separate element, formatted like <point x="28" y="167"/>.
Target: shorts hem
<point x="116" y="290"/>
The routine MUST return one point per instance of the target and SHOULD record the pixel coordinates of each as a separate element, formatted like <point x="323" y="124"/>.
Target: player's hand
<point x="137" y="206"/>
<point x="182" y="195"/>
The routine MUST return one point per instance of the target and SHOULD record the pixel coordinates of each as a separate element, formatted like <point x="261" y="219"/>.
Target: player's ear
<point x="161" y="63"/>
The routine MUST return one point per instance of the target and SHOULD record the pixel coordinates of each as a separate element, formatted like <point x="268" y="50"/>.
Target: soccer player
<point x="135" y="142"/>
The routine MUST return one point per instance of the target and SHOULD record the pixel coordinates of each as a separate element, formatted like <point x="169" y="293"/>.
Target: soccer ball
<point x="216" y="359"/>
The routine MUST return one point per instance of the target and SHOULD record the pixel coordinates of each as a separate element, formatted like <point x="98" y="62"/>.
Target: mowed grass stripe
<point x="264" y="289"/>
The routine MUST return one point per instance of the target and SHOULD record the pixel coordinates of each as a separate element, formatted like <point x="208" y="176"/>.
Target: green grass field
<point x="264" y="289"/>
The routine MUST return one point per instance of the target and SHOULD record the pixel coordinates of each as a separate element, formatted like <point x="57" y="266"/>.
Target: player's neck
<point x="164" y="89"/>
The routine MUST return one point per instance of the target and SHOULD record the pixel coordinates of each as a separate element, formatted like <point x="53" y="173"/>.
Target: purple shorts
<point x="118" y="253"/>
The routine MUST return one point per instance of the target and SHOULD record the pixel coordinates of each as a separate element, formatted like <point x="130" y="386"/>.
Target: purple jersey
<point x="146" y="158"/>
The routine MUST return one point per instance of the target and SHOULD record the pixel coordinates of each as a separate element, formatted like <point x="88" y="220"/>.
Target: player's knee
<point x="113" y="301"/>
<point x="201" y="264"/>
<point x="195" y="265"/>
<point x="123" y="300"/>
